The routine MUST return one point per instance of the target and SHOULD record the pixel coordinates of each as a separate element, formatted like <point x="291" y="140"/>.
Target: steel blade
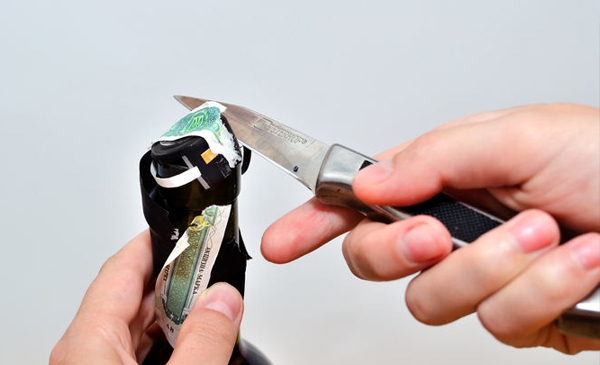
<point x="296" y="153"/>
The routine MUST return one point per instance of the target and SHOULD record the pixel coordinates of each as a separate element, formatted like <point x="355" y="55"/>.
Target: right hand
<point x="541" y="160"/>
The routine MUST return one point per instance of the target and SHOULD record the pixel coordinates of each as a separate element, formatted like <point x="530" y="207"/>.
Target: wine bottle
<point x="190" y="181"/>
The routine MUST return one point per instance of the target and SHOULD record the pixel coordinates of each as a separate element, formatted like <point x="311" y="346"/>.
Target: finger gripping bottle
<point x="190" y="180"/>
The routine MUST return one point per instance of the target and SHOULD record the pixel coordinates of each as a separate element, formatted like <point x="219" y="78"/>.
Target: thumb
<point x="459" y="157"/>
<point x="210" y="331"/>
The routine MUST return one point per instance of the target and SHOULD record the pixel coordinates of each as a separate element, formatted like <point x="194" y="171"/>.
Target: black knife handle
<point x="464" y="222"/>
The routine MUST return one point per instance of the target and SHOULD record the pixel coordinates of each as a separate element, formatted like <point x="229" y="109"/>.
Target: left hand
<point x="115" y="322"/>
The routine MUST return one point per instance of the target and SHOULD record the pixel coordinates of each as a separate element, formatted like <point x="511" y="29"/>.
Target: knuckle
<point x="370" y="254"/>
<point x="57" y="355"/>
<point x="355" y="255"/>
<point x="494" y="321"/>
<point x="420" y="307"/>
<point x="110" y="262"/>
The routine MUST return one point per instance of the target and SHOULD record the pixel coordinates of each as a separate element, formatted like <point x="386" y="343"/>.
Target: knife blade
<point x="296" y="153"/>
<point x="328" y="172"/>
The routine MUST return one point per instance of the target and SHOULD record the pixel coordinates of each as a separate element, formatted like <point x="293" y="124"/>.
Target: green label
<point x="208" y="118"/>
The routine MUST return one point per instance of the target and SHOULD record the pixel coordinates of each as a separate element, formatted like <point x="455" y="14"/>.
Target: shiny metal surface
<point x="303" y="155"/>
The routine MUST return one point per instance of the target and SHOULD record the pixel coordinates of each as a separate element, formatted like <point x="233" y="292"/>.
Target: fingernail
<point x="419" y="244"/>
<point x="222" y="298"/>
<point x="533" y="231"/>
<point x="375" y="173"/>
<point x="586" y="251"/>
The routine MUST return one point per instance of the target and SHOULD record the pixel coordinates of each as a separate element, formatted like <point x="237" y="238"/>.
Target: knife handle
<point x="464" y="222"/>
<point x="334" y="187"/>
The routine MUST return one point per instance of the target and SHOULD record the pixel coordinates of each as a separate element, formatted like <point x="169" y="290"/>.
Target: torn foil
<point x="205" y="122"/>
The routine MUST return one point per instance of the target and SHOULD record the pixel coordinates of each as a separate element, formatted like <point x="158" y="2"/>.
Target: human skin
<point x="115" y="322"/>
<point x="542" y="161"/>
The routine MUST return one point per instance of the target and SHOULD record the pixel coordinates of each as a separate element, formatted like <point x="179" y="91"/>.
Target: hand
<point x="115" y="323"/>
<point x="541" y="160"/>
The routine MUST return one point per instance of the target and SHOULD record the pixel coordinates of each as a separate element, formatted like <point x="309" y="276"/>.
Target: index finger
<point x="305" y="229"/>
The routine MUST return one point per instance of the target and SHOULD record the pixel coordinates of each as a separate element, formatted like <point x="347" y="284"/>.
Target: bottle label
<point x="186" y="273"/>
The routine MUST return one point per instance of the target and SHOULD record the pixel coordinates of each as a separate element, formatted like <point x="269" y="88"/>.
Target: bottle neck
<point x="193" y="195"/>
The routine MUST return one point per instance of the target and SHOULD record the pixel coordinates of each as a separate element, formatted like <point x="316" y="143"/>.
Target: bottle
<point x="190" y="180"/>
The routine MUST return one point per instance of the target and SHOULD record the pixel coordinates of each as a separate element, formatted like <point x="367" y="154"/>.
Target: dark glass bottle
<point x="170" y="211"/>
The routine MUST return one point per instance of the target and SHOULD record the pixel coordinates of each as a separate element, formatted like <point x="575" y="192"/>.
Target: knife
<point x="328" y="170"/>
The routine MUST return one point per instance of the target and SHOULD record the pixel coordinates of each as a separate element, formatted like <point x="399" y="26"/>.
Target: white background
<point x="85" y="86"/>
